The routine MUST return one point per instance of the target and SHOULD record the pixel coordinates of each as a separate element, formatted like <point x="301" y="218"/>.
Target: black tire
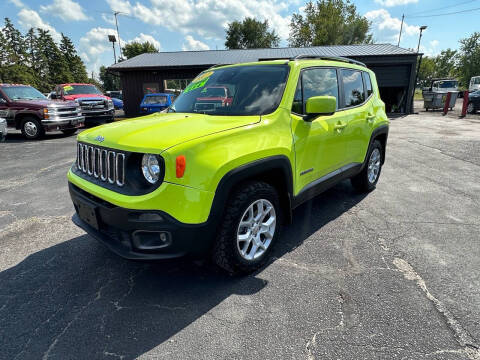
<point x="31" y="128"/>
<point x="69" y="132"/>
<point x="226" y="253"/>
<point x="361" y="181"/>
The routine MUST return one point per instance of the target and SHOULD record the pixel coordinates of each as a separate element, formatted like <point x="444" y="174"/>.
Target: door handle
<point x="339" y="126"/>
<point x="370" y="117"/>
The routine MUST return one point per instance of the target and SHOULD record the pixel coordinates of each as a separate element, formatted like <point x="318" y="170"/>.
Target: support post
<point x="465" y="104"/>
<point x="401" y="28"/>
<point x="447" y="103"/>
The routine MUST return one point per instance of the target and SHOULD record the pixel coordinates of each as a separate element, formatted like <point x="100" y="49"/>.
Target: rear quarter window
<point x="353" y="90"/>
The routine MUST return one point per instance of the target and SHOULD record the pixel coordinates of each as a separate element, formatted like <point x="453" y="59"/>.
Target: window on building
<point x="353" y="87"/>
<point x="151" y="88"/>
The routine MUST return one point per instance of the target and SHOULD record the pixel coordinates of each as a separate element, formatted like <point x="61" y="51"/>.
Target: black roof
<point x="214" y="57"/>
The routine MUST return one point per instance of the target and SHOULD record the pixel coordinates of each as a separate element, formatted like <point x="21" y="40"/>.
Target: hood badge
<point x="99" y="138"/>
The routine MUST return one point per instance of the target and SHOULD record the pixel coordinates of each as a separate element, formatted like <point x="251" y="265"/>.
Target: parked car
<point x="96" y="107"/>
<point x="442" y="85"/>
<point x="3" y="129"/>
<point x="152" y="103"/>
<point x="473" y="102"/>
<point x="28" y="110"/>
<point x="212" y="97"/>
<point x="115" y="94"/>
<point x="117" y="104"/>
<point x="222" y="184"/>
<point x="474" y="84"/>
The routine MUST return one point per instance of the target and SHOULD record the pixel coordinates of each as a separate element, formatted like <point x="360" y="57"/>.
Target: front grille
<point x="94" y="105"/>
<point x="103" y="164"/>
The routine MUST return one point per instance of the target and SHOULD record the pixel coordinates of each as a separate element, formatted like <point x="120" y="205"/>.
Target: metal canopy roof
<point x="212" y="57"/>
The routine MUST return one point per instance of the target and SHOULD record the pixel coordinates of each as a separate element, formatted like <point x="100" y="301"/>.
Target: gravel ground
<point x="389" y="275"/>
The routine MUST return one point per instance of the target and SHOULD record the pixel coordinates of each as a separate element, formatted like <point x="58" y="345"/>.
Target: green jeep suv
<point x="219" y="175"/>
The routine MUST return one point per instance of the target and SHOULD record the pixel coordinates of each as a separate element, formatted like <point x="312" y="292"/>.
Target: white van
<point x="474" y="84"/>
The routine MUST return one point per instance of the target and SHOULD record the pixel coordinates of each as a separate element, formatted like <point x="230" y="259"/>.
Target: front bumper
<point x="63" y="123"/>
<point x="100" y="114"/>
<point x="129" y="233"/>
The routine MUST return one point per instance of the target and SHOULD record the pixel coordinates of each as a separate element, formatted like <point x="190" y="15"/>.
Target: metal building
<point x="395" y="68"/>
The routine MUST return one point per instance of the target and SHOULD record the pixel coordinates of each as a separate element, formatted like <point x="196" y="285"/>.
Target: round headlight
<point x="150" y="168"/>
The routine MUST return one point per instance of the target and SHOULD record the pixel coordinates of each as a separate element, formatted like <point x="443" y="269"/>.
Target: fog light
<point x="151" y="240"/>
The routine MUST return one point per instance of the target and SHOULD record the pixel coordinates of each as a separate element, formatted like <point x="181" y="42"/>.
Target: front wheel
<point x="367" y="179"/>
<point x="32" y="128"/>
<point x="249" y="228"/>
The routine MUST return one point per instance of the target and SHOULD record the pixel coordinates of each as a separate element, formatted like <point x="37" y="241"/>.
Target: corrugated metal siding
<point x="392" y="76"/>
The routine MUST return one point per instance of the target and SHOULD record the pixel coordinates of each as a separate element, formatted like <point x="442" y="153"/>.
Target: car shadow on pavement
<point x="17" y="137"/>
<point x="78" y="300"/>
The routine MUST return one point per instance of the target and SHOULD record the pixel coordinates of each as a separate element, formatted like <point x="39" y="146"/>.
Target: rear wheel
<point x="69" y="132"/>
<point x="367" y="179"/>
<point x="32" y="128"/>
<point x="249" y="228"/>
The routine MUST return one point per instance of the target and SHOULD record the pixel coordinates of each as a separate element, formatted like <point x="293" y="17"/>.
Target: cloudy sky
<point x="174" y="25"/>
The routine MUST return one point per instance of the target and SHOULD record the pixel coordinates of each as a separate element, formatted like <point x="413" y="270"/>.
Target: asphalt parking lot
<point x="390" y="275"/>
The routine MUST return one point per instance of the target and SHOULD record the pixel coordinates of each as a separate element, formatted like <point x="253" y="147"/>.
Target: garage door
<point x="392" y="76"/>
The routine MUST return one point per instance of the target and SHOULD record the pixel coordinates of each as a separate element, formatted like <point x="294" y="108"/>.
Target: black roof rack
<point x="326" y="57"/>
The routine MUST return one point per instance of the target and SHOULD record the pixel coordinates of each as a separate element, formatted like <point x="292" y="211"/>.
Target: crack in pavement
<point x="462" y="336"/>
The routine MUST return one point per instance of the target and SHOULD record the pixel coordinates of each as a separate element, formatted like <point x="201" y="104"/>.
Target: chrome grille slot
<point x="102" y="164"/>
<point x="111" y="167"/>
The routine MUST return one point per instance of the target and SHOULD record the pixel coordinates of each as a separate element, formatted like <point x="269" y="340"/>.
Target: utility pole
<point x="401" y="28"/>
<point x="118" y="35"/>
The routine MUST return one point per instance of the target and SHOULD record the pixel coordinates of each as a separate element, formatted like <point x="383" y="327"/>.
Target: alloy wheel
<point x="374" y="165"/>
<point x="256" y="229"/>
<point x="31" y="128"/>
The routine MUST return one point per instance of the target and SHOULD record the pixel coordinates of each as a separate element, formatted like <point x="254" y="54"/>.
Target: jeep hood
<point x="158" y="132"/>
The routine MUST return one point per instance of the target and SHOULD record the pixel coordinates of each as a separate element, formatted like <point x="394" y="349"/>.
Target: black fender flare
<point x="381" y="130"/>
<point x="257" y="169"/>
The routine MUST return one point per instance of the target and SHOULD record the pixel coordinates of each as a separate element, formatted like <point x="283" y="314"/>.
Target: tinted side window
<point x="368" y="84"/>
<point x="314" y="82"/>
<point x="353" y="87"/>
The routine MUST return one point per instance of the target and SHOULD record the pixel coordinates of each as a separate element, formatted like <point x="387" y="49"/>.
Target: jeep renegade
<point x="221" y="177"/>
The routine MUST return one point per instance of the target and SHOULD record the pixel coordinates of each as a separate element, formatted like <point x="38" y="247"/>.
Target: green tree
<point x="250" y="34"/>
<point x="469" y="59"/>
<point x="109" y="81"/>
<point x="445" y="63"/>
<point x="73" y="61"/>
<point x="427" y="71"/>
<point x="54" y="66"/>
<point x="329" y="22"/>
<point x="135" y="48"/>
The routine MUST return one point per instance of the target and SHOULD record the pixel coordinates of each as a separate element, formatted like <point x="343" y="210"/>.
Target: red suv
<point x="96" y="107"/>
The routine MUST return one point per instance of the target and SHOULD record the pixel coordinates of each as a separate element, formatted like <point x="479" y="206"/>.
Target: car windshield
<point x="447" y="84"/>
<point x="253" y="90"/>
<point x="81" y="89"/>
<point x="155" y="99"/>
<point x="23" y="93"/>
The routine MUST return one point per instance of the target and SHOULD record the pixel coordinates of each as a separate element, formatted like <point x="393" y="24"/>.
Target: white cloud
<point x="192" y="44"/>
<point x="390" y="3"/>
<point x="109" y="19"/>
<point x="386" y="28"/>
<point x="207" y="18"/>
<point x="28" y="18"/>
<point x="431" y="49"/>
<point x="67" y="10"/>
<point x="95" y="43"/>
<point x="144" y="38"/>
